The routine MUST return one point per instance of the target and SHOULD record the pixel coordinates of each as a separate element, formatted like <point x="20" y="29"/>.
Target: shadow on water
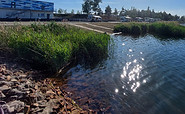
<point x="140" y="75"/>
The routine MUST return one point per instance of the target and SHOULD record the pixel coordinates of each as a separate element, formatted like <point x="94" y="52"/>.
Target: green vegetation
<point x="163" y="29"/>
<point x="52" y="46"/>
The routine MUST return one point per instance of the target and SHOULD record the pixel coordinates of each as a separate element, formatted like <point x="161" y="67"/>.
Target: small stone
<point x="4" y="87"/>
<point x="75" y="112"/>
<point x="2" y="95"/>
<point x="35" y="104"/>
<point x="23" y="80"/>
<point x="23" y="75"/>
<point x="69" y="106"/>
<point x="14" y="80"/>
<point x="50" y="92"/>
<point x="36" y="87"/>
<point x="8" y="78"/>
<point x="56" y="106"/>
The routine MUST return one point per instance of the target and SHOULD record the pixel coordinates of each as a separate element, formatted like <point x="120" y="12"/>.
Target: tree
<point x="60" y="11"/>
<point x="65" y="11"/>
<point x="72" y="11"/>
<point x="95" y="5"/>
<point x="122" y="11"/>
<point x="100" y="12"/>
<point x="78" y="12"/>
<point x="108" y="10"/>
<point x="182" y="19"/>
<point x="115" y="12"/>
<point x="86" y="7"/>
<point x="89" y="5"/>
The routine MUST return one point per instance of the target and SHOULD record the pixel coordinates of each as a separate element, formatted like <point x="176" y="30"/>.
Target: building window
<point x="38" y="14"/>
<point x="42" y="7"/>
<point x="42" y="15"/>
<point x="13" y="5"/>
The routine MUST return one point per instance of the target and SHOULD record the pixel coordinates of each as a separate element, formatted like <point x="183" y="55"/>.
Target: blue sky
<point x="170" y="6"/>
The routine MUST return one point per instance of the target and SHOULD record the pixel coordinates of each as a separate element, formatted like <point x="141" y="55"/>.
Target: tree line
<point x="92" y="6"/>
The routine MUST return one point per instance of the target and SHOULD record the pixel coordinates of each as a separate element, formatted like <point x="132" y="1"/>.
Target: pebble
<point x="8" y="78"/>
<point x="2" y="95"/>
<point x="4" y="88"/>
<point x="35" y="105"/>
<point x="14" y="80"/>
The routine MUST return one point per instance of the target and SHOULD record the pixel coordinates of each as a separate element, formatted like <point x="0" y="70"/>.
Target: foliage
<point x="182" y="19"/>
<point x="72" y="11"/>
<point x="52" y="46"/>
<point x="86" y="7"/>
<point x="60" y="11"/>
<point x="108" y="10"/>
<point x="89" y="5"/>
<point x="164" y="29"/>
<point x="115" y="12"/>
<point x="133" y="12"/>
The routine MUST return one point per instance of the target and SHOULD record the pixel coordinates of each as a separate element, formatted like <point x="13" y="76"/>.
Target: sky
<point x="170" y="6"/>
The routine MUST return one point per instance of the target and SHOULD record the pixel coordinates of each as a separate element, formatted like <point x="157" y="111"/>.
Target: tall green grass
<point x="163" y="29"/>
<point x="52" y="46"/>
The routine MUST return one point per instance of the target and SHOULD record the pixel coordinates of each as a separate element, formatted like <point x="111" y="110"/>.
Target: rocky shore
<point x="25" y="91"/>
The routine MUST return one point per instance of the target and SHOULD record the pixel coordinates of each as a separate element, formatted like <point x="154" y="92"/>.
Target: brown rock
<point x="75" y="112"/>
<point x="35" y="104"/>
<point x="83" y="112"/>
<point x="50" y="92"/>
<point x="23" y="75"/>
<point x="8" y="78"/>
<point x="56" y="106"/>
<point x="14" y="80"/>
<point x="69" y="106"/>
<point x="36" y="87"/>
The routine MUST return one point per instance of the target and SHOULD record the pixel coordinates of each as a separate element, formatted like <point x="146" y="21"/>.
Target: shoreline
<point x="20" y="92"/>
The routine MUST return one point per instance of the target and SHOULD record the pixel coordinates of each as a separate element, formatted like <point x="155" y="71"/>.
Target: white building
<point x="26" y="9"/>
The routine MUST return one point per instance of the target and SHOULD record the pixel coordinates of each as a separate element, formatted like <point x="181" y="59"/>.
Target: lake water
<point x="141" y="75"/>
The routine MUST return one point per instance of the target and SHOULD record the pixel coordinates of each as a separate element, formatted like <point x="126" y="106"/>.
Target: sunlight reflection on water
<point x="132" y="75"/>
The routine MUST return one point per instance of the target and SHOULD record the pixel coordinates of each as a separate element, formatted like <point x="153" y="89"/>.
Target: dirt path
<point x="88" y="28"/>
<point x="94" y="27"/>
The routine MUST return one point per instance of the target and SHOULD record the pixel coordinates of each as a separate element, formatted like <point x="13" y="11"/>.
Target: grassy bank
<point x="52" y="46"/>
<point x="164" y="29"/>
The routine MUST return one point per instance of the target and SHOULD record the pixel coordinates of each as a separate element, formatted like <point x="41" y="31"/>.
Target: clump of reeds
<point x="164" y="29"/>
<point x="52" y="46"/>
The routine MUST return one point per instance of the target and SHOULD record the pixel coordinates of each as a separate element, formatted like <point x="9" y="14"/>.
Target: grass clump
<point x="52" y="46"/>
<point x="164" y="29"/>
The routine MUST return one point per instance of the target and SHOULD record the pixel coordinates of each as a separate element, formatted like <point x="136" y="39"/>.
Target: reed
<point x="163" y="29"/>
<point x="51" y="46"/>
